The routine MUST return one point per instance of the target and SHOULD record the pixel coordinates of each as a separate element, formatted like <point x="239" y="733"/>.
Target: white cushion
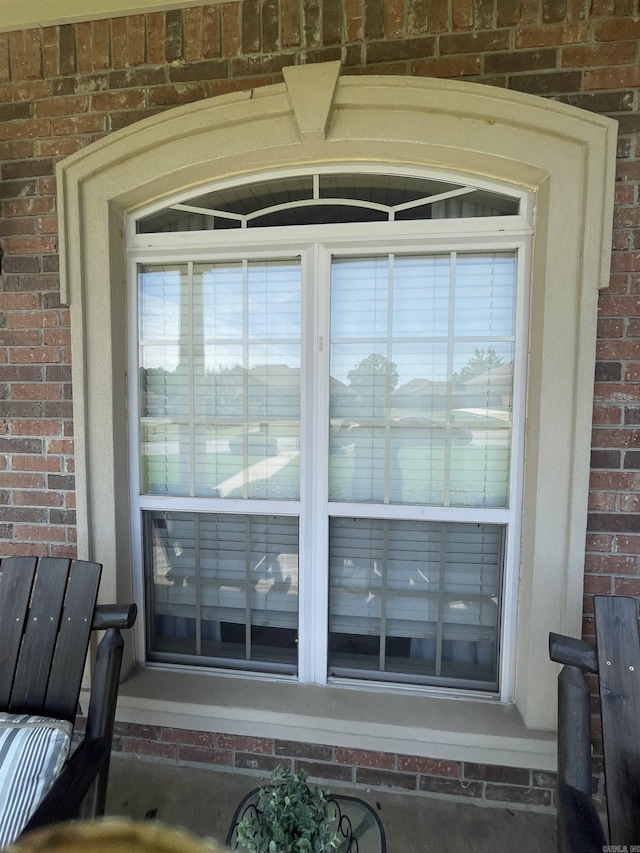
<point x="33" y="750"/>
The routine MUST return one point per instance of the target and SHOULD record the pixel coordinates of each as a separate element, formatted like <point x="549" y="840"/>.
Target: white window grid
<point x="316" y="246"/>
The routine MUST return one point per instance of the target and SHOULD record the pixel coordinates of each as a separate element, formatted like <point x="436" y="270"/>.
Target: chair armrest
<point x="106" y="675"/>
<point x="64" y="798"/>
<point x="105" y="684"/>
<point x="104" y="691"/>
<point x="113" y="616"/>
<point x="572" y="652"/>
<point x="579" y="827"/>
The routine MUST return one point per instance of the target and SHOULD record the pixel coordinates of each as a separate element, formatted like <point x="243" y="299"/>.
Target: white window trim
<point x="565" y="156"/>
<point x="511" y="234"/>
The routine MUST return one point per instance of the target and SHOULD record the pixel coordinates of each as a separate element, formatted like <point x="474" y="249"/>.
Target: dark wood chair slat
<point x="619" y="666"/>
<point x="616" y="659"/>
<point x="15" y="592"/>
<point x="40" y="633"/>
<point x="73" y="640"/>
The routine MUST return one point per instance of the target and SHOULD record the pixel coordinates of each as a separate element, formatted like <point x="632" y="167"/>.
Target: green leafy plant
<point x="291" y="816"/>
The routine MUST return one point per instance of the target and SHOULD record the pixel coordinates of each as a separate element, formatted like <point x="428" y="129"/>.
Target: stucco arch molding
<point x="319" y="115"/>
<point x="564" y="156"/>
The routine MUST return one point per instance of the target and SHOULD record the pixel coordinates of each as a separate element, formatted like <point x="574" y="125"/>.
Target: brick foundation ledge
<point x="490" y="785"/>
<point x="400" y="741"/>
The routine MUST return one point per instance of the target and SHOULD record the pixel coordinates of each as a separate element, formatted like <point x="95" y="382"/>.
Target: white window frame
<point x="566" y="158"/>
<point x="317" y="246"/>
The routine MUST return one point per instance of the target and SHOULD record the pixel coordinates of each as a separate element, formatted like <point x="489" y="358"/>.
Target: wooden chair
<point x="47" y="612"/>
<point x="616" y="660"/>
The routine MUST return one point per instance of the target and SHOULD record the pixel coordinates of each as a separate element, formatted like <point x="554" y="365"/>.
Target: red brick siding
<point x="63" y="87"/>
<point x="329" y="764"/>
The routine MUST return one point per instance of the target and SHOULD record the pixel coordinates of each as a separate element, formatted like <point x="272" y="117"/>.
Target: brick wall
<point x="63" y="87"/>
<point x="353" y="767"/>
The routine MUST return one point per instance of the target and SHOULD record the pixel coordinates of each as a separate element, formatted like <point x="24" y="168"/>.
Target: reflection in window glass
<point x="222" y="588"/>
<point x="220" y="379"/>
<point x="422" y="354"/>
<point x="415" y="601"/>
<point x="409" y="355"/>
<point x="327" y="198"/>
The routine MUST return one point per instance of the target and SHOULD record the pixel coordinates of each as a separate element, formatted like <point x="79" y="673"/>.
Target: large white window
<point x="561" y="161"/>
<point x="327" y="440"/>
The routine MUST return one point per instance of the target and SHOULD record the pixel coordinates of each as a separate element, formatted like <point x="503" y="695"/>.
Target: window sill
<point x="481" y="731"/>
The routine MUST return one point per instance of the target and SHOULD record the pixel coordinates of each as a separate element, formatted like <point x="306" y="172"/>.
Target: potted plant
<point x="289" y="816"/>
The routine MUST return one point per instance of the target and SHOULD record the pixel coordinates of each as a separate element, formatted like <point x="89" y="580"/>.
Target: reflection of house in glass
<point x="425" y="442"/>
<point x="488" y="390"/>
<point x="491" y="389"/>
<point x="269" y="390"/>
<point x="420" y="394"/>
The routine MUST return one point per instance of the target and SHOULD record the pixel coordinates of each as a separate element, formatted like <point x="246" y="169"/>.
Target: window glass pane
<point x="313" y="213"/>
<point x="220" y="379"/>
<point x="421" y="379"/>
<point x="165" y="457"/>
<point x="484" y="294"/>
<point x="249" y="198"/>
<point x="421" y="355"/>
<point x="171" y="219"/>
<point x="482" y="407"/>
<point x="222" y="589"/>
<point x="337" y="198"/>
<point x="415" y="601"/>
<point x="389" y="190"/>
<point x="421" y="297"/>
<point x="164" y="399"/>
<point x="248" y="379"/>
<point x="219" y="300"/>
<point x="478" y="203"/>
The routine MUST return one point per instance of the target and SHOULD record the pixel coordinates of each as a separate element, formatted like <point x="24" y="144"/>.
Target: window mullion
<point x="388" y="389"/>
<point x="198" y="583"/>
<point x="450" y="346"/>
<point x="439" y="627"/>
<point x="384" y="577"/>
<point x="314" y="535"/>
<point x="245" y="375"/>
<point x="195" y="329"/>
<point x="247" y="584"/>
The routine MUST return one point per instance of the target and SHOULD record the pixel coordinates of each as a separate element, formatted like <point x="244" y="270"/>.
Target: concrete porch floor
<point x="203" y="801"/>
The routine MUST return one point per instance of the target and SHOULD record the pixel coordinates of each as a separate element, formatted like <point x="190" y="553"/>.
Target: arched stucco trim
<point x="563" y="155"/>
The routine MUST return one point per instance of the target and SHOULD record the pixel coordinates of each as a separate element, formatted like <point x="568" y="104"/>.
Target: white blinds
<point x="420" y="408"/>
<point x="208" y="571"/>
<point x="435" y="585"/>
<point x="421" y="379"/>
<point x="220" y="379"/>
